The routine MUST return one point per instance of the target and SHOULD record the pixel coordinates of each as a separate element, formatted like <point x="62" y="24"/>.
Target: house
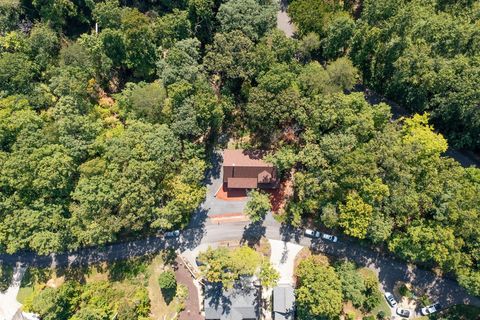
<point x="239" y="303"/>
<point x="283" y="302"/>
<point x="244" y="169"/>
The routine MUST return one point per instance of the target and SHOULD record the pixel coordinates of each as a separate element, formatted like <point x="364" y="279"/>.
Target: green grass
<point x="24" y="294"/>
<point x="383" y="306"/>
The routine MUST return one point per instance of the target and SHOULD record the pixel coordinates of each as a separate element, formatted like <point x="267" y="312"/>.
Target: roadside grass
<point x="383" y="305"/>
<point x="124" y="277"/>
<point x="159" y="309"/>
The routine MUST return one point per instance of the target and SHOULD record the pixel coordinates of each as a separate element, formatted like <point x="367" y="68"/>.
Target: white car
<point x="329" y="237"/>
<point x="403" y="312"/>
<point x="430" y="309"/>
<point x="172" y="234"/>
<point x="390" y="299"/>
<point x="312" y="233"/>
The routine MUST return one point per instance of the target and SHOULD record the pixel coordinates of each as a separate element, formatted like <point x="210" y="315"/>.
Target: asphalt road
<point x="389" y="269"/>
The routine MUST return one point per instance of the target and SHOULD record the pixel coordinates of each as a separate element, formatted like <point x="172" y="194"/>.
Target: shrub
<point x="381" y="315"/>
<point x="167" y="280"/>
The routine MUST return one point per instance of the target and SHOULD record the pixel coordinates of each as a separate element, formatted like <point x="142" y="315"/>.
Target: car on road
<point x="403" y="312"/>
<point x="329" y="237"/>
<point x="430" y="309"/>
<point x="312" y="233"/>
<point x="390" y="299"/>
<point x="172" y="234"/>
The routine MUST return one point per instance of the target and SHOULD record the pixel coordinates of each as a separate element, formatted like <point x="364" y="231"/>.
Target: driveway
<point x="9" y="305"/>
<point x="214" y="206"/>
<point x="283" y="259"/>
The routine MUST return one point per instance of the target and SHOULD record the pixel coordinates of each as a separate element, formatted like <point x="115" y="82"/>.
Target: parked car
<point x="403" y="312"/>
<point x="172" y="234"/>
<point x="430" y="309"/>
<point x="390" y="299"/>
<point x="312" y="233"/>
<point x="329" y="237"/>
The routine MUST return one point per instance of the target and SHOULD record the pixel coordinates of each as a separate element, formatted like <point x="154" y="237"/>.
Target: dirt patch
<point x="280" y="196"/>
<point x="349" y="309"/>
<point x="231" y="194"/>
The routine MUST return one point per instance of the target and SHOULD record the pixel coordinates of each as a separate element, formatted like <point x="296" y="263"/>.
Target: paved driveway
<point x="283" y="259"/>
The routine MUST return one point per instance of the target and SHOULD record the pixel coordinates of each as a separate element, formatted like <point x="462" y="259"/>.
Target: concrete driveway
<point x="283" y="259"/>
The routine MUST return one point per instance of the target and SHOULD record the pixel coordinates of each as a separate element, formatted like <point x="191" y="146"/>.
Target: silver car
<point x="312" y="233"/>
<point x="329" y="237"/>
<point x="390" y="299"/>
<point x="172" y="234"/>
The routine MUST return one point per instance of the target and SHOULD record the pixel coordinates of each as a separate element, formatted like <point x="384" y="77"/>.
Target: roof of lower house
<point x="244" y="158"/>
<point x="244" y="183"/>
<point x="283" y="302"/>
<point x="238" y="303"/>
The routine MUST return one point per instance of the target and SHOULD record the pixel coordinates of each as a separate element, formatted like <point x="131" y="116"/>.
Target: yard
<point x="124" y="281"/>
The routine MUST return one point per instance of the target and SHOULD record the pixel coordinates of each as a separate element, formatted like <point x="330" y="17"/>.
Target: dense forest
<point x="109" y="109"/>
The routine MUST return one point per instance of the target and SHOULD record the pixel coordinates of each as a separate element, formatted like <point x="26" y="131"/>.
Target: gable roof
<point x="238" y="303"/>
<point x="283" y="302"/>
<point x="244" y="158"/>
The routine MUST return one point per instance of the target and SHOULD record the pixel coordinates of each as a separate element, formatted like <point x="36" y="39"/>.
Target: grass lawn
<point x="158" y="307"/>
<point x="383" y="306"/>
<point x="125" y="278"/>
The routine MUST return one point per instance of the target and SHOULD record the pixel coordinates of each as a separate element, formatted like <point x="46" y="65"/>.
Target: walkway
<point x="183" y="276"/>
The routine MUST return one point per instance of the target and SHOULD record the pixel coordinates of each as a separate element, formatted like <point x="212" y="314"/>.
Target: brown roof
<point x="243" y="183"/>
<point x="244" y="158"/>
<point x="264" y="177"/>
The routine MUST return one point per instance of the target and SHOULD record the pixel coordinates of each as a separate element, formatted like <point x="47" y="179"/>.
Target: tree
<point x="258" y="205"/>
<point x="144" y="101"/>
<point x="229" y="56"/>
<point x="268" y="275"/>
<point x="338" y="35"/>
<point x="319" y="291"/>
<point x="55" y="11"/>
<point x="139" y="43"/>
<point x="18" y="73"/>
<point x="342" y="73"/>
<point x="181" y="62"/>
<point x="353" y="286"/>
<point x="172" y="27"/>
<point x="168" y="285"/>
<point x="355" y="216"/>
<point x="249" y="16"/>
<point x="311" y="15"/>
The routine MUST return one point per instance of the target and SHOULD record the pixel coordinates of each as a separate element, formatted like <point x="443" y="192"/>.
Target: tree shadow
<point x="253" y="233"/>
<point x="168" y="294"/>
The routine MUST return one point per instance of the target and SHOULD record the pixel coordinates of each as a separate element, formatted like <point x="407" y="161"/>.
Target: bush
<point x="167" y="280"/>
<point x="405" y="291"/>
<point x="381" y="315"/>
<point x="168" y="285"/>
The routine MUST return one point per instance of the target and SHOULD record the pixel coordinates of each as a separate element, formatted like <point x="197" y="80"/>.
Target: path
<point x="183" y="276"/>
<point x="283" y="20"/>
